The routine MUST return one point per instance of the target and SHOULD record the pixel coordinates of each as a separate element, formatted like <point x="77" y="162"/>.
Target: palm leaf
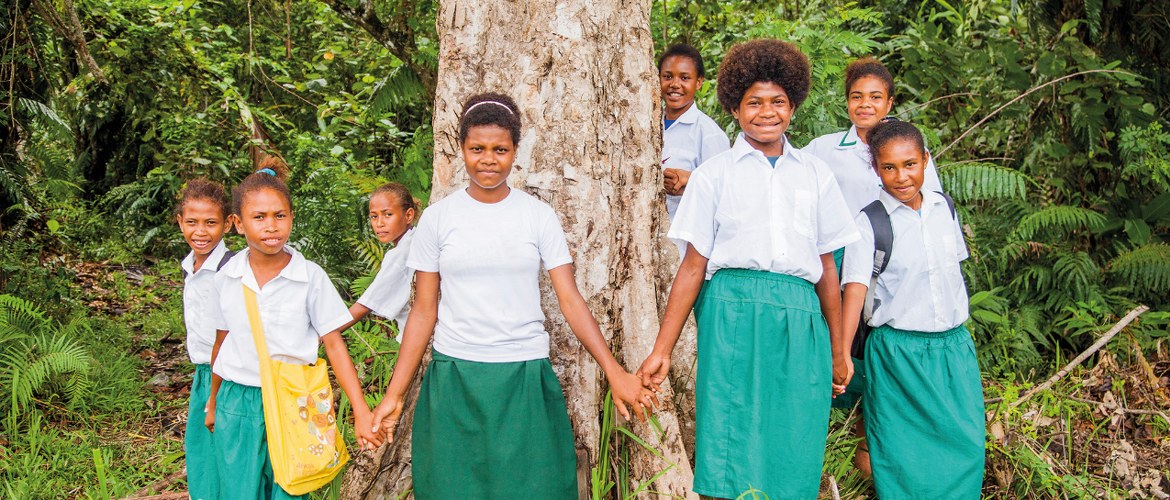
<point x="982" y="181"/>
<point x="1060" y="218"/>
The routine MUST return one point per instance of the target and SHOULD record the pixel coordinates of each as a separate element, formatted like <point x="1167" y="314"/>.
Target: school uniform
<point x="923" y="397"/>
<point x="764" y="359"/>
<point x="852" y="165"/>
<point x="687" y="142"/>
<point x="388" y="295"/>
<point x="199" y="305"/>
<point x="296" y="308"/>
<point x="491" y="420"/>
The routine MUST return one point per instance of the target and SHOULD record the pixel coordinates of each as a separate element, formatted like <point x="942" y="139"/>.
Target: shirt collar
<point x="743" y="148"/>
<point x="929" y="198"/>
<point x="211" y="263"/>
<point x="691" y="115"/>
<point x="850" y="139"/>
<point x="296" y="269"/>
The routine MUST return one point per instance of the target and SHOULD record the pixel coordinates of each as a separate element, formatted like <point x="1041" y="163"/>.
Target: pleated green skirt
<point x="202" y="478"/>
<point x="241" y="442"/>
<point x="763" y="386"/>
<point x="924" y="414"/>
<point x="492" y="431"/>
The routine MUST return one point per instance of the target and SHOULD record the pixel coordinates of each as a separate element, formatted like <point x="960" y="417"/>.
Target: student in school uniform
<point x="923" y="397"/>
<point x="202" y="214"/>
<point x="392" y="214"/>
<point x="761" y="221"/>
<point x="491" y="420"/>
<point x="689" y="136"/>
<point x="299" y="309"/>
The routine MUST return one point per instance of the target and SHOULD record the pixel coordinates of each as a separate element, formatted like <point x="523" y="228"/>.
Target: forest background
<point x="1049" y="120"/>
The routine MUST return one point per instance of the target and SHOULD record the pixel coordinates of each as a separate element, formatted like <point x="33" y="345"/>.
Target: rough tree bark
<point x="584" y="77"/>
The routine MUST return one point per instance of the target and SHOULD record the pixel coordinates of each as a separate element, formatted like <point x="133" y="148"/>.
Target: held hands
<point x="653" y="371"/>
<point x="675" y="181"/>
<point x="842" y="373"/>
<point x="627" y="389"/>
<point x="385" y="417"/>
<point x="369" y="436"/>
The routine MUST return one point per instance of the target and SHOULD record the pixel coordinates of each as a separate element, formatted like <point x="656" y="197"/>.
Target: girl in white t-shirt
<point x="491" y="421"/>
<point x="299" y="309"/>
<point x="392" y="214"/>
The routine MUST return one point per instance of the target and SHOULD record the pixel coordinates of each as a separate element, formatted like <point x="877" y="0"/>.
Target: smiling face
<point x="203" y="225"/>
<point x="869" y="101"/>
<point x="488" y="153"/>
<point x="266" y="221"/>
<point x="680" y="79"/>
<point x="900" y="164"/>
<point x="764" y="113"/>
<point x="387" y="218"/>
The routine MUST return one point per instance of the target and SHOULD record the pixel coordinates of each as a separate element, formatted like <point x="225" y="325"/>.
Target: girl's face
<point x="680" y="79"/>
<point x="265" y="220"/>
<point x="387" y="218"/>
<point x="900" y="164"/>
<point x="868" y="102"/>
<point x="202" y="224"/>
<point x="764" y="113"/>
<point x="488" y="153"/>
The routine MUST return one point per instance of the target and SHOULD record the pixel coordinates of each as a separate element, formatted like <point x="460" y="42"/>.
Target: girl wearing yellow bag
<point x="294" y="308"/>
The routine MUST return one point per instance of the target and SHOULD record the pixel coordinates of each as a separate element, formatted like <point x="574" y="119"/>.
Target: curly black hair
<point x="490" y="109"/>
<point x="868" y="66"/>
<point x="684" y="50"/>
<point x="203" y="189"/>
<point x="888" y="130"/>
<point x="266" y="177"/>
<point x="763" y="60"/>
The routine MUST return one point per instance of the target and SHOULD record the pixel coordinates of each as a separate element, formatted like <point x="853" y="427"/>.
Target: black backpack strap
<point x="883" y="244"/>
<point x="226" y="257"/>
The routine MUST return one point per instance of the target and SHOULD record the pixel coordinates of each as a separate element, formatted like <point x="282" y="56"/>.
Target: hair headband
<point x="497" y="103"/>
<point x="268" y="171"/>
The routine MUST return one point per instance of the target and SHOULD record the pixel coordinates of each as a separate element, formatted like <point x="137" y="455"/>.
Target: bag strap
<point x="227" y="255"/>
<point x="950" y="204"/>
<point x="258" y="336"/>
<point x="883" y="244"/>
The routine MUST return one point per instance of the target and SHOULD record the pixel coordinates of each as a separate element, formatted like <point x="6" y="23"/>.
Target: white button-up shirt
<point x="741" y="212"/>
<point x="851" y="163"/>
<point x="388" y="295"/>
<point x="200" y="306"/>
<point x="922" y="288"/>
<point x="296" y="307"/>
<point x="693" y="139"/>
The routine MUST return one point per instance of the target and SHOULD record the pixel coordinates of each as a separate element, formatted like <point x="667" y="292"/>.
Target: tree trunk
<point x="584" y="77"/>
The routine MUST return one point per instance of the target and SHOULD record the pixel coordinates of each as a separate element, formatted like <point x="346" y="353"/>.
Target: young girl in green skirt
<point x="923" y="397"/>
<point x="491" y="421"/>
<point x="761" y="222"/>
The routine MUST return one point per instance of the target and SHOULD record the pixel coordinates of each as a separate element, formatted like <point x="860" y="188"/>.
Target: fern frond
<point x="1061" y="218"/>
<point x="1144" y="268"/>
<point x="1077" y="273"/>
<point x="400" y="88"/>
<point x="982" y="181"/>
<point x="20" y="318"/>
<point x="48" y="118"/>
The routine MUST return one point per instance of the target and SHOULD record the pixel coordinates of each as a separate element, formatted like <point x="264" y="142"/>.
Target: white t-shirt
<point x="851" y="163"/>
<point x="693" y="139"/>
<point x="388" y="295"/>
<point x="296" y="307"/>
<point x="200" y="305"/>
<point x="488" y="256"/>
<point x="741" y="212"/>
<point x="922" y="288"/>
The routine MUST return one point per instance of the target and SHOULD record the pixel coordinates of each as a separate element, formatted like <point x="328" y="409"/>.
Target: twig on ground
<point x="148" y="492"/>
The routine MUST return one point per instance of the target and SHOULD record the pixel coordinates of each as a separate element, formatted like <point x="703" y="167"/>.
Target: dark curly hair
<point x="763" y="60"/>
<point x="868" y="66"/>
<point x="270" y="175"/>
<point x="490" y="109"/>
<point x="203" y="189"/>
<point x="888" y="130"/>
<point x="684" y="50"/>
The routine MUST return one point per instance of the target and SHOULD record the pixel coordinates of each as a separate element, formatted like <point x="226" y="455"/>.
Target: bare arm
<point x="683" y="292"/>
<point x="851" y="304"/>
<point x="358" y="312"/>
<point x="626" y="387"/>
<point x="419" y="329"/>
<point x="347" y="378"/>
<point x="829" y="293"/>
<point x="209" y="409"/>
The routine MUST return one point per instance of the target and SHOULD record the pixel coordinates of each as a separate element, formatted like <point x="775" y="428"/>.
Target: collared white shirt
<point x="199" y="303"/>
<point x="851" y="163"/>
<point x="922" y="288"/>
<point x="693" y="139"/>
<point x="296" y="307"/>
<point x="388" y="295"/>
<point x="741" y="212"/>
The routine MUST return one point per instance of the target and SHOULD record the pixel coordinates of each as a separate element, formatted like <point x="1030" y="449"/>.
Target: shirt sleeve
<point x="858" y="265"/>
<point x="713" y="142"/>
<point x="835" y="226"/>
<point x="424" y="249"/>
<point x="554" y="249"/>
<point x="327" y="311"/>
<point x="390" y="290"/>
<point x="930" y="181"/>
<point x="694" y="222"/>
<point x="961" y="251"/>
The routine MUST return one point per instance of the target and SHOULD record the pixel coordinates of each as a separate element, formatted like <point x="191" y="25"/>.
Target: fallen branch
<point x="1129" y="317"/>
<point x="149" y="491"/>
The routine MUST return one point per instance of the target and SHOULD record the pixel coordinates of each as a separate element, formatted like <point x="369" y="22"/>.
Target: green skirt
<point x="492" y="431"/>
<point x="763" y="386"/>
<point x="241" y="441"/>
<point x="202" y="478"/>
<point x="924" y="414"/>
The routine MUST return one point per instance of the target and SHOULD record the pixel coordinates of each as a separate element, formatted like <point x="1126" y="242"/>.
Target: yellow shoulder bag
<point x="305" y="446"/>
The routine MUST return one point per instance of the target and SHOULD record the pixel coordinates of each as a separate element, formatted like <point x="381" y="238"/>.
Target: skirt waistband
<point x="763" y="275"/>
<point x="953" y="332"/>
